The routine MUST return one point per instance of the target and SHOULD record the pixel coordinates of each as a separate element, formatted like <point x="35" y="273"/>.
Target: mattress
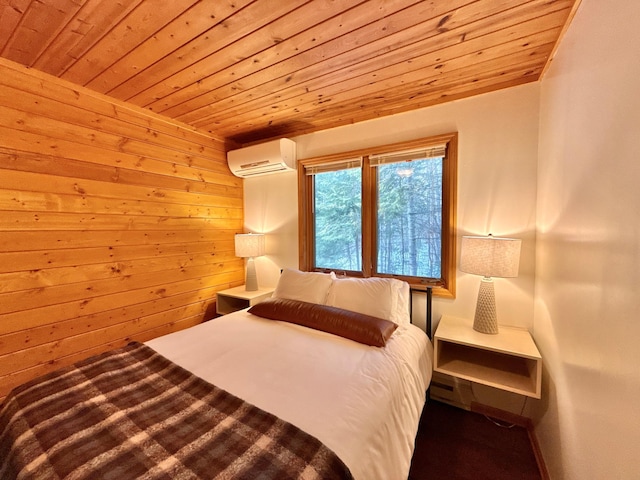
<point x="362" y="402"/>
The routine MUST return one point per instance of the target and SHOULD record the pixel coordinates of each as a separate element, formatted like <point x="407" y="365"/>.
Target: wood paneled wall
<point x="115" y="224"/>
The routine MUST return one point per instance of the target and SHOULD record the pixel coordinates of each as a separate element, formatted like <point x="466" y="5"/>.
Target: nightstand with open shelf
<point x="237" y="298"/>
<point x="508" y="360"/>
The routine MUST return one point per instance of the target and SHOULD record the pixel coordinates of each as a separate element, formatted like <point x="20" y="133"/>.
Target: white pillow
<point x="402" y="312"/>
<point x="309" y="287"/>
<point x="379" y="297"/>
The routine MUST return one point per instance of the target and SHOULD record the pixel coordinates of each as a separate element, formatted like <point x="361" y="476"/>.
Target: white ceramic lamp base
<point x="251" y="282"/>
<point x="486" y="319"/>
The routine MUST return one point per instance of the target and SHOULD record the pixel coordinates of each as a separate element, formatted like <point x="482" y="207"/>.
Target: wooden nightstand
<point x="509" y="360"/>
<point x="237" y="298"/>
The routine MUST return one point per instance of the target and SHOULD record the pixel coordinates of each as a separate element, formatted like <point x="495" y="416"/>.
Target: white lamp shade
<point x="490" y="256"/>
<point x="249" y="244"/>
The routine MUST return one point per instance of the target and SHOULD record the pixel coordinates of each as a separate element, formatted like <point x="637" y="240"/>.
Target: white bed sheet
<point x="362" y="402"/>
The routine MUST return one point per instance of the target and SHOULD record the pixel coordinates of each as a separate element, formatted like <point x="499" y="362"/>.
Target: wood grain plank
<point x="11" y="13"/>
<point x="39" y="23"/>
<point x="141" y="23"/>
<point x="178" y="203"/>
<point x="418" y="23"/>
<point x="54" y="128"/>
<point x="173" y="57"/>
<point x="43" y="139"/>
<point x="35" y="355"/>
<point x="94" y="19"/>
<point x="371" y="109"/>
<point x="16" y="341"/>
<point x="36" y="260"/>
<point x="28" y="172"/>
<point x="460" y="88"/>
<point x="38" y="279"/>
<point x="26" y="168"/>
<point x="20" y="376"/>
<point x="399" y="76"/>
<point x="38" y="242"/>
<point x="52" y="314"/>
<point x="478" y="32"/>
<point x="200" y="18"/>
<point x="324" y="79"/>
<point x="181" y="66"/>
<point x="46" y="86"/>
<point x="46" y="202"/>
<point x="96" y="248"/>
<point x="146" y="140"/>
<point x="315" y="44"/>
<point x="91" y="288"/>
<point x="11" y="221"/>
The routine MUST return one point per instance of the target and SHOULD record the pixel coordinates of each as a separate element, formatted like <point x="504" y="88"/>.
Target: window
<point x="384" y="211"/>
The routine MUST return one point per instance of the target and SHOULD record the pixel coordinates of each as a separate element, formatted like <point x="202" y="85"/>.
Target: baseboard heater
<point x="450" y="390"/>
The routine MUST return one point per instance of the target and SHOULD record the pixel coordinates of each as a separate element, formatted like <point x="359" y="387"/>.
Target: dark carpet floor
<point x="455" y="444"/>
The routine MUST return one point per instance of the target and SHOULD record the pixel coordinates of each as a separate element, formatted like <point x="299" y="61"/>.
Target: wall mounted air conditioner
<point x="270" y="157"/>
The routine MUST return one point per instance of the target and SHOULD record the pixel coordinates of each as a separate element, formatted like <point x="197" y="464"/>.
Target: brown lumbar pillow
<point x="345" y="323"/>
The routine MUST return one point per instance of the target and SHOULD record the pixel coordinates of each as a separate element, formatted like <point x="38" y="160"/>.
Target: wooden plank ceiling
<point x="249" y="70"/>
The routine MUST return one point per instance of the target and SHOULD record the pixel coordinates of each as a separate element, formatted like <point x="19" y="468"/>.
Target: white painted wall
<point x="271" y="207"/>
<point x="587" y="321"/>
<point x="498" y="139"/>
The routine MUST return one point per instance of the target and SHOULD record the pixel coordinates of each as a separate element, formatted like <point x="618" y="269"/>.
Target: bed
<point x="326" y="380"/>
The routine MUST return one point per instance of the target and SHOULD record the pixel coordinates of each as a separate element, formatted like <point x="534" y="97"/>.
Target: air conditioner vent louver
<point x="262" y="159"/>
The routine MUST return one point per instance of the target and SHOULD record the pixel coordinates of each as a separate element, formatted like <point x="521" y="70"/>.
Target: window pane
<point x="338" y="220"/>
<point x="409" y="218"/>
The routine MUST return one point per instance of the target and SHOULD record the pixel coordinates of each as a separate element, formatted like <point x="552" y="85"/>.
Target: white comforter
<point x="362" y="402"/>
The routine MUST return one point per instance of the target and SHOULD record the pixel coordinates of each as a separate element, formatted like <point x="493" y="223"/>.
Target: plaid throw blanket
<point x="131" y="413"/>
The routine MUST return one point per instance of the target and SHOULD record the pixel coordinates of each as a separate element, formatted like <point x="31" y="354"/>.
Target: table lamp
<point x="250" y="245"/>
<point x="490" y="257"/>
